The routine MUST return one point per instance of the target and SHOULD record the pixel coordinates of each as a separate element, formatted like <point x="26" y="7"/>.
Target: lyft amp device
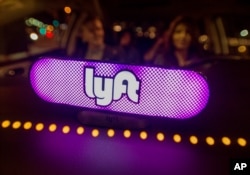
<point x="130" y="89"/>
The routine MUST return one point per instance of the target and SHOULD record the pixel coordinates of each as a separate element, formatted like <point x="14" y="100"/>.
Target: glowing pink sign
<point x="142" y="90"/>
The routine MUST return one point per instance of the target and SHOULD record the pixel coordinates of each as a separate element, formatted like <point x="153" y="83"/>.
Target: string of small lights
<point x="143" y="135"/>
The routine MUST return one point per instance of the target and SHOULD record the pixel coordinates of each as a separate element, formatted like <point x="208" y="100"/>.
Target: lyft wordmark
<point x="107" y="89"/>
<point x="140" y="90"/>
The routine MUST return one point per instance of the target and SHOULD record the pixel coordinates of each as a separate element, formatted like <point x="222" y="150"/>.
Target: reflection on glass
<point x="16" y="124"/>
<point x="143" y="135"/>
<point x="160" y="136"/>
<point x="27" y="125"/>
<point x="210" y="141"/>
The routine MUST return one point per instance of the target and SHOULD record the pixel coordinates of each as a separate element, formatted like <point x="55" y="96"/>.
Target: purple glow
<point x="163" y="92"/>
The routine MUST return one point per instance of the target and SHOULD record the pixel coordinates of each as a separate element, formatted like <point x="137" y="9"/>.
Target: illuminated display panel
<point x="141" y="90"/>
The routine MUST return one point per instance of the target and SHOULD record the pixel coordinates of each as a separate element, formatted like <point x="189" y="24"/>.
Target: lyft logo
<point x="108" y="89"/>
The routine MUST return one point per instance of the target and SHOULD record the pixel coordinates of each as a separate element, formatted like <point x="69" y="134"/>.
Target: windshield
<point x="238" y="36"/>
<point x="32" y="35"/>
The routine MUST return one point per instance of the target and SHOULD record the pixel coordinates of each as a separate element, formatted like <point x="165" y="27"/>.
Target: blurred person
<point x="92" y="45"/>
<point x="130" y="53"/>
<point x="178" y="47"/>
<point x="156" y="52"/>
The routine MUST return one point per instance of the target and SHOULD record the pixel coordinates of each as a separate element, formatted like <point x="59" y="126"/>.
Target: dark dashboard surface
<point x="106" y="147"/>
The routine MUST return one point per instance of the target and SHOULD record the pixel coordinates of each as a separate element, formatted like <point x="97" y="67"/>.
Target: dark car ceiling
<point x="151" y="9"/>
<point x="125" y="9"/>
